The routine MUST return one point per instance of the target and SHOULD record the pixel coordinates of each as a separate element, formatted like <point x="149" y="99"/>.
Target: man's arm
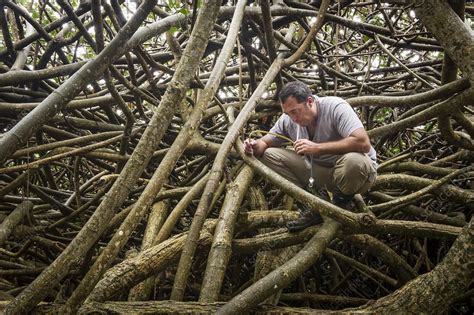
<point x="257" y="147"/>
<point x="358" y="141"/>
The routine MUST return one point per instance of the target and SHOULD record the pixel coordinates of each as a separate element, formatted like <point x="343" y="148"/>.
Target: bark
<point x="441" y="92"/>
<point x="13" y="219"/>
<point x="56" y="101"/>
<point x="268" y="260"/>
<point x="72" y="256"/>
<point x="167" y="307"/>
<point x="441" y="20"/>
<point x="282" y="276"/>
<point x="378" y="249"/>
<point x="433" y="292"/>
<point x="142" y="291"/>
<point x="448" y="74"/>
<point x="87" y="213"/>
<point x="312" y="33"/>
<point x="364" y="269"/>
<point x="165" y="231"/>
<point x="216" y="172"/>
<point x="405" y="200"/>
<point x="271" y="260"/>
<point x="132" y="271"/>
<point x="425" y="213"/>
<point x="220" y="252"/>
<point x="448" y="191"/>
<point x="175" y="93"/>
<point x="453" y="103"/>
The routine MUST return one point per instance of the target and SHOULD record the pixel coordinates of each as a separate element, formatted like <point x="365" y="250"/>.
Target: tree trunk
<point x="433" y="292"/>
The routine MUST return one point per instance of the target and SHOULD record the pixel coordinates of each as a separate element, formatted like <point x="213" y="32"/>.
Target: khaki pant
<point x="353" y="172"/>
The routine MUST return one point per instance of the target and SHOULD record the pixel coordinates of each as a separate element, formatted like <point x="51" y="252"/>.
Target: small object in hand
<point x="248" y="146"/>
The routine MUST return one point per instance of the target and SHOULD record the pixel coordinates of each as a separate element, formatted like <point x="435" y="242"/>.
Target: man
<point x="331" y="149"/>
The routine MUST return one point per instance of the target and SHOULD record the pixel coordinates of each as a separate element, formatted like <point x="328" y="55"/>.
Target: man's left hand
<point x="305" y="146"/>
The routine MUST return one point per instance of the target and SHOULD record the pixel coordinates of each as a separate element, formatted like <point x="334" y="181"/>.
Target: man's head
<point x="297" y="89"/>
<point x="297" y="102"/>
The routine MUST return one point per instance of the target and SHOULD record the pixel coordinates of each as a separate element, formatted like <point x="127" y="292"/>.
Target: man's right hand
<point x="249" y="146"/>
<point x="257" y="147"/>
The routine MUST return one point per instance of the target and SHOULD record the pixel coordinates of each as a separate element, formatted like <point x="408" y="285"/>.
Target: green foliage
<point x="184" y="11"/>
<point x="35" y="15"/>
<point x="174" y="4"/>
<point x="173" y="29"/>
<point x="377" y="20"/>
<point x="383" y="115"/>
<point x="90" y="53"/>
<point x="74" y="3"/>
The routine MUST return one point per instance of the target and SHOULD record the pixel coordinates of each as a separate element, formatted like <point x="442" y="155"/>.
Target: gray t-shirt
<point x="335" y="120"/>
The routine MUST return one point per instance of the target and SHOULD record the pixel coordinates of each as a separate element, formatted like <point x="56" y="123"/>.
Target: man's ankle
<point x="342" y="200"/>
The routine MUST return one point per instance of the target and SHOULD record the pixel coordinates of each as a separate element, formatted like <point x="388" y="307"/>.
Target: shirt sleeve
<point x="280" y="128"/>
<point x="346" y="119"/>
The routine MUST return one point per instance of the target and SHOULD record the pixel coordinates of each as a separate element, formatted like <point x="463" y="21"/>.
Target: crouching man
<point x="331" y="149"/>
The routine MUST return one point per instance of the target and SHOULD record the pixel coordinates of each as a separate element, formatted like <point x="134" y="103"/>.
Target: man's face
<point x="301" y="113"/>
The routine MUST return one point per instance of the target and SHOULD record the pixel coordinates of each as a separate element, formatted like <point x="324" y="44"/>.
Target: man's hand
<point x="305" y="146"/>
<point x="358" y="141"/>
<point x="249" y="146"/>
<point x="257" y="147"/>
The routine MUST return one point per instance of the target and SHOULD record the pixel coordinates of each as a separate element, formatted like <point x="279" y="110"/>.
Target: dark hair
<point x="297" y="89"/>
